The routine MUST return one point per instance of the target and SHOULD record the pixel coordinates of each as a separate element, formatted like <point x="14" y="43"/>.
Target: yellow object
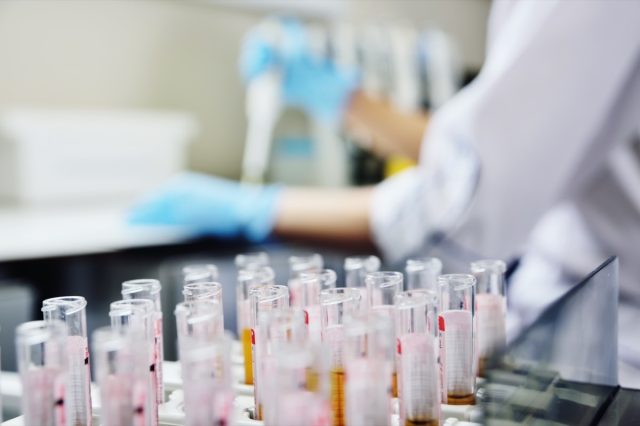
<point x="396" y="164"/>
<point x="337" y="397"/>
<point x="248" y="361"/>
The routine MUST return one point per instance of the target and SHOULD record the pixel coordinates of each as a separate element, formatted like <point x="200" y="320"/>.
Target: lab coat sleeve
<point x="524" y="135"/>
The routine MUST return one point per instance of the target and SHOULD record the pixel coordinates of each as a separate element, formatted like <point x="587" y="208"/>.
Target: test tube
<point x="136" y="318"/>
<point x="252" y="261"/>
<point x="199" y="273"/>
<point x="247" y="280"/>
<point x="336" y="306"/>
<point x="263" y="299"/>
<point x="491" y="309"/>
<point x="297" y="266"/>
<point x="423" y="273"/>
<point x="369" y="358"/>
<point x="149" y="289"/>
<point x="417" y="361"/>
<point x="312" y="283"/>
<point x="356" y="269"/>
<point x="455" y="324"/>
<point x="205" y="364"/>
<point x="41" y="355"/>
<point x="72" y="311"/>
<point x="290" y="399"/>
<point x="122" y="376"/>
<point x="382" y="288"/>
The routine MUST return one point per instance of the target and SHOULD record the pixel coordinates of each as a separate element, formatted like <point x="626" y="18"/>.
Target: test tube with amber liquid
<point x="337" y="305"/>
<point x="455" y="325"/>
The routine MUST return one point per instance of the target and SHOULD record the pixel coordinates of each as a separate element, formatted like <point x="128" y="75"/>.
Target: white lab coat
<point x="545" y="129"/>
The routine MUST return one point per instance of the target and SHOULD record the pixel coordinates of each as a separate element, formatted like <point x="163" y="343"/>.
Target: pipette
<point x="455" y="324"/>
<point x="122" y="376"/>
<point x="72" y="311"/>
<point x="369" y="360"/>
<point x="41" y="353"/>
<point x="202" y="272"/>
<point x="382" y="288"/>
<point x="205" y="364"/>
<point x="491" y="305"/>
<point x="311" y="284"/>
<point x="336" y="306"/>
<point x="149" y="289"/>
<point x="356" y="269"/>
<point x="136" y="318"/>
<point x="423" y="273"/>
<point x="418" y="393"/>
<point x="263" y="299"/>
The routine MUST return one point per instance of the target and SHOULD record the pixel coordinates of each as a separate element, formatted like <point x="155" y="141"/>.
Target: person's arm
<point x="385" y="128"/>
<point x="325" y="214"/>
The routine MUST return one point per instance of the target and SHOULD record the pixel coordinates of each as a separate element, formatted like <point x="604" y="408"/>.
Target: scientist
<point x="549" y="125"/>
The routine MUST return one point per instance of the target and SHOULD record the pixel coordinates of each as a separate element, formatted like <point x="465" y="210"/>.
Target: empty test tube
<point x="297" y="266"/>
<point x="382" y="288"/>
<point x="337" y="305"/>
<point x="41" y="349"/>
<point x="72" y="311"/>
<point x="311" y="284"/>
<point x="247" y="280"/>
<point x="252" y="261"/>
<point x="455" y="325"/>
<point x="122" y="376"/>
<point x="205" y="364"/>
<point x="417" y="346"/>
<point x="356" y="269"/>
<point x="369" y="360"/>
<point x="199" y="273"/>
<point x="491" y="309"/>
<point x="136" y="317"/>
<point x="149" y="289"/>
<point x="263" y="299"/>
<point x="422" y="273"/>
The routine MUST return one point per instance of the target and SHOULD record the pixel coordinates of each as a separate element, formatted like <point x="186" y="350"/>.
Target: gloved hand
<point x="211" y="206"/>
<point x="315" y="84"/>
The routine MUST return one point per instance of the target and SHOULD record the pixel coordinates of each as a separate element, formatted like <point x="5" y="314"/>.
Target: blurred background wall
<point x="179" y="55"/>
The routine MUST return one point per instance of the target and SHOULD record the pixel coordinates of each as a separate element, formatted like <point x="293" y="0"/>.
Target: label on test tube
<point x="296" y="288"/>
<point x="158" y="360"/>
<point x="334" y="336"/>
<point x="419" y="396"/>
<point x="491" y="323"/>
<point x="370" y="378"/>
<point x="58" y="400"/>
<point x="312" y="319"/>
<point x="79" y="394"/>
<point x="139" y="396"/>
<point x="456" y="354"/>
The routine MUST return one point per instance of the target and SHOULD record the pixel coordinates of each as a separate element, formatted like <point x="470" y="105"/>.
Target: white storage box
<point x="69" y="155"/>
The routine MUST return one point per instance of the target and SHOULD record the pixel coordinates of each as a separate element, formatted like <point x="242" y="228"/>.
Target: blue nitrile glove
<point x="211" y="206"/>
<point x="315" y="84"/>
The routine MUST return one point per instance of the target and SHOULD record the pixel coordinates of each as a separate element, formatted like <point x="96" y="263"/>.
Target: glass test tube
<point x="290" y="399"/>
<point x="122" y="377"/>
<point x="211" y="291"/>
<point x="136" y="318"/>
<point x="382" y="288"/>
<point x="247" y="280"/>
<point x="417" y="360"/>
<point x="297" y="266"/>
<point x="356" y="269"/>
<point x="199" y="273"/>
<point x="337" y="305"/>
<point x="491" y="309"/>
<point x="312" y="283"/>
<point x="149" y="289"/>
<point x="41" y="354"/>
<point x="205" y="364"/>
<point x="275" y="330"/>
<point x="72" y="311"/>
<point x="455" y="324"/>
<point x="423" y="273"/>
<point x="252" y="261"/>
<point x="369" y="359"/>
<point x="263" y="299"/>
